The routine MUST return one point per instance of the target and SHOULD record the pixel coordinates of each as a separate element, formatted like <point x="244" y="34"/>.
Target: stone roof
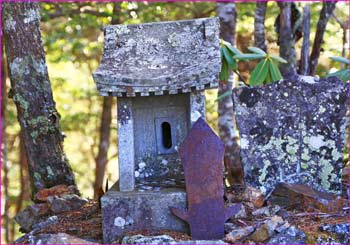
<point x="162" y="57"/>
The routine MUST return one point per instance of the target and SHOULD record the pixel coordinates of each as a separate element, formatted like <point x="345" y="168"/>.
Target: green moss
<point x="22" y="103"/>
<point x="41" y="126"/>
<point x="37" y="176"/>
<point x="303" y="165"/>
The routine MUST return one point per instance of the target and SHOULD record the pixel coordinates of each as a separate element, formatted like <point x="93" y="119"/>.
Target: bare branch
<point x="326" y="12"/>
<point x="305" y="49"/>
<point x="259" y="25"/>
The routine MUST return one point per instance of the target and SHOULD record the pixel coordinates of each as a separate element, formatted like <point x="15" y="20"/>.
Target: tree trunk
<point x="24" y="178"/>
<point x="286" y="41"/>
<point x="227" y="124"/>
<point x="326" y="13"/>
<point x="32" y="94"/>
<point x="259" y="25"/>
<point x="305" y="49"/>
<point x="105" y="128"/>
<point x="5" y="168"/>
<point x="102" y="156"/>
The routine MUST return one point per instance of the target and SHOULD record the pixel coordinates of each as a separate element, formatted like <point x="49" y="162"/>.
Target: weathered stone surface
<point x="140" y="239"/>
<point x="65" y="203"/>
<point x="266" y="211"/>
<point x="253" y="195"/>
<point x="238" y="234"/>
<point x="43" y="194"/>
<point x="59" y="238"/>
<point x="293" y="131"/>
<point x="31" y="215"/>
<point x="340" y="232"/>
<point x="140" y="210"/>
<point x="164" y="239"/>
<point x="268" y="229"/>
<point x="151" y="58"/>
<point x="302" y="197"/>
<point x="290" y="236"/>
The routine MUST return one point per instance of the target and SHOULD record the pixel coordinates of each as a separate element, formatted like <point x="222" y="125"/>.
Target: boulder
<point x="253" y="195"/>
<point x="290" y="236"/>
<point x="31" y="215"/>
<point x="58" y="190"/>
<point x="239" y="234"/>
<point x="59" y="238"/>
<point x="140" y="239"/>
<point x="303" y="197"/>
<point x="65" y="203"/>
<point x="266" y="230"/>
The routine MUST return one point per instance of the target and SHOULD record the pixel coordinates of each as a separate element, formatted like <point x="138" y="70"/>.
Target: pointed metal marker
<point x="202" y="154"/>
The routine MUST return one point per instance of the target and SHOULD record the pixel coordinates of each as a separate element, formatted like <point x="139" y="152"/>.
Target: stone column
<point x="126" y="154"/>
<point x="197" y="105"/>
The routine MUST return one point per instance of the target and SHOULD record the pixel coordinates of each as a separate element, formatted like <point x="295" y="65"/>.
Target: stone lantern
<point x="159" y="72"/>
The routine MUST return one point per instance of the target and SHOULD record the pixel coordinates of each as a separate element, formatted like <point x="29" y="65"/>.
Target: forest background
<point x="73" y="39"/>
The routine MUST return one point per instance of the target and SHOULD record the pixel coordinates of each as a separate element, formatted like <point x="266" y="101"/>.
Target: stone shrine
<point x="293" y="131"/>
<point x="159" y="72"/>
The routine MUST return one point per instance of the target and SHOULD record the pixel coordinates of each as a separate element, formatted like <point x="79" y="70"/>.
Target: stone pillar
<point x="197" y="106"/>
<point x="126" y="154"/>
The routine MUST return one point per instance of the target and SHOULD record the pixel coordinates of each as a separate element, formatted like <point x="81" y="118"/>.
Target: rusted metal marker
<point x="202" y="155"/>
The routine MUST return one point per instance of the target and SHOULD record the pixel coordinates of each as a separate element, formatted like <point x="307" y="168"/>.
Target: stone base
<point x="141" y="210"/>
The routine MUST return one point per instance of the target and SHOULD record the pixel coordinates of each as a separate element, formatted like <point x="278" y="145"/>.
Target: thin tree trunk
<point x="305" y="49"/>
<point x="326" y="12"/>
<point x="105" y="127"/>
<point x="259" y="25"/>
<point x="24" y="178"/>
<point x="32" y="94"/>
<point x="286" y="41"/>
<point x="227" y="124"/>
<point x="344" y="26"/>
<point x="5" y="168"/>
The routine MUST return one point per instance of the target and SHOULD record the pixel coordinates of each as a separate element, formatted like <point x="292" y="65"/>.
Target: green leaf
<point x="231" y="48"/>
<point x="257" y="50"/>
<point x="340" y="59"/>
<point x="259" y="73"/>
<point x="274" y="71"/>
<point x="230" y="61"/>
<point x="224" y="95"/>
<point x="224" y="73"/>
<point x="268" y="78"/>
<point x="248" y="56"/>
<point x="277" y="58"/>
<point x="343" y="74"/>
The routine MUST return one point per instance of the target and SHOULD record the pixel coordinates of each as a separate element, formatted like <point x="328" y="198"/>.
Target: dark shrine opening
<point x="166" y="135"/>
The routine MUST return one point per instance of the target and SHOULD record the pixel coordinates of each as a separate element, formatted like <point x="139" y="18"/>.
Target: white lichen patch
<point x="31" y="15"/>
<point x="308" y="79"/>
<point x="119" y="222"/>
<point x="264" y="172"/>
<point x="10" y="24"/>
<point x="321" y="110"/>
<point x="316" y="142"/>
<point x="137" y="174"/>
<point x="121" y="29"/>
<point x="49" y="170"/>
<point x="244" y="143"/>
<point x="164" y="162"/>
<point x="142" y="165"/>
<point x="195" y="115"/>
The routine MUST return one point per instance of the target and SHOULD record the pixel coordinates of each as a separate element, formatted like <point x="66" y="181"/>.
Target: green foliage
<point x="343" y="74"/>
<point x="228" y="64"/>
<point x="266" y="71"/>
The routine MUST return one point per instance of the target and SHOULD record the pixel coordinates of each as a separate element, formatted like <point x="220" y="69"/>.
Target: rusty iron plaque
<point x="202" y="154"/>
